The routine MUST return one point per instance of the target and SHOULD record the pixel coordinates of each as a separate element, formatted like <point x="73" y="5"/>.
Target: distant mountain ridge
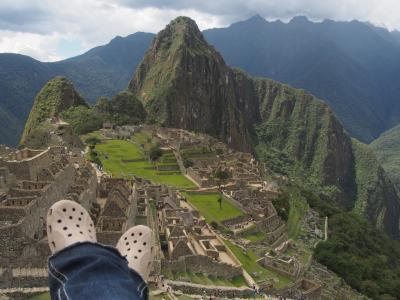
<point x="354" y="66"/>
<point x="102" y="71"/>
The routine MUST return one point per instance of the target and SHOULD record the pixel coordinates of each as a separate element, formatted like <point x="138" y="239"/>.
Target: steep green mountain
<point x="57" y="96"/>
<point x="303" y="128"/>
<point x="387" y="150"/>
<point x="354" y="66"/>
<point x="183" y="82"/>
<point x="102" y="71"/>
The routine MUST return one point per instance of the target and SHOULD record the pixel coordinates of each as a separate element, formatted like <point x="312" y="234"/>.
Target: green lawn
<point x="124" y="158"/>
<point x="199" y="278"/>
<point x="141" y="138"/>
<point x="249" y="263"/>
<point x="298" y="207"/>
<point x="255" y="237"/>
<point x="45" y="296"/>
<point x="209" y="207"/>
<point x="96" y="134"/>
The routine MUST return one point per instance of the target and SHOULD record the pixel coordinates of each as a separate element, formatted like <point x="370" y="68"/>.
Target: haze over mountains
<point x="353" y="66"/>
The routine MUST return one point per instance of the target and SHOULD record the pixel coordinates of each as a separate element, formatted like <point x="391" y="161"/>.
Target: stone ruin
<point x="191" y="245"/>
<point x="122" y="204"/>
<point x="30" y="182"/>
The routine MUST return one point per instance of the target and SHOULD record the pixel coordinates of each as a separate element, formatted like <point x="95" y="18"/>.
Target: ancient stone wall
<point x="202" y="264"/>
<point x="237" y="220"/>
<point x="88" y="196"/>
<point x="108" y="237"/>
<point x="57" y="190"/>
<point x="219" y="292"/>
<point x="28" y="168"/>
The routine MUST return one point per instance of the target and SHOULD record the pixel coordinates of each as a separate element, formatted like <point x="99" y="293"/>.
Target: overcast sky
<point x="51" y="30"/>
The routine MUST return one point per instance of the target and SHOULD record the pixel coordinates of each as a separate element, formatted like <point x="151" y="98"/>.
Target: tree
<point x="187" y="162"/>
<point x="155" y="153"/>
<point x="83" y="119"/>
<point x="221" y="175"/>
<point x="92" y="141"/>
<point x="220" y="202"/>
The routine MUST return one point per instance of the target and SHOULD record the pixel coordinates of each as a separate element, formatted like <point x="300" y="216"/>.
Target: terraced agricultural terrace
<point x="124" y="158"/>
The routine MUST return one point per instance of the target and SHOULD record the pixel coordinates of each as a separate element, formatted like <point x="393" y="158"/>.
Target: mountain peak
<point x="56" y="96"/>
<point x="183" y="25"/>
<point x="299" y="20"/>
<point x="257" y="19"/>
<point x="180" y="31"/>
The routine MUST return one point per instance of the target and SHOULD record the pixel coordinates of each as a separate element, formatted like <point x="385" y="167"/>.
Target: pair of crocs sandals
<point x="69" y="223"/>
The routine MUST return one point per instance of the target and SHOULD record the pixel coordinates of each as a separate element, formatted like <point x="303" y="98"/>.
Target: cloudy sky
<point x="51" y="30"/>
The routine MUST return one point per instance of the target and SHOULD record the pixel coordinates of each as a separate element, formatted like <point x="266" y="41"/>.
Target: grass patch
<point x="298" y="207"/>
<point x="141" y="138"/>
<point x="199" y="278"/>
<point x="124" y="158"/>
<point x="44" y="296"/>
<point x="255" y="237"/>
<point x="208" y="206"/>
<point x="249" y="263"/>
<point x="93" y="134"/>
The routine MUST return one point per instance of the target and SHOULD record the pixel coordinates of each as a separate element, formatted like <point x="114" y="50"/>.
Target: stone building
<point x="30" y="182"/>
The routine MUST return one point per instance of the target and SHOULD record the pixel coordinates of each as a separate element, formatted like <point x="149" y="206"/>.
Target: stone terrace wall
<point x="14" y="238"/>
<point x="198" y="289"/>
<point x="108" y="237"/>
<point x="57" y="190"/>
<point x="237" y="220"/>
<point x="88" y="196"/>
<point x="202" y="264"/>
<point x="29" y="168"/>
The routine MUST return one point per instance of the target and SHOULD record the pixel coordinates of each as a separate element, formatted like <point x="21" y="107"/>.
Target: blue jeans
<point x="86" y="271"/>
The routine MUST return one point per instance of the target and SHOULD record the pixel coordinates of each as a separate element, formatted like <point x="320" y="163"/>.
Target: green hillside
<point x="387" y="150"/>
<point x="55" y="97"/>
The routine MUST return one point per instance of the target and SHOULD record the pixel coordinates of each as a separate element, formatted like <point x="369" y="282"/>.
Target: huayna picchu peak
<point x="184" y="82"/>
<point x="210" y="182"/>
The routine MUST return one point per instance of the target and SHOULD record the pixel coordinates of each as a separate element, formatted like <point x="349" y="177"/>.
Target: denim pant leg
<point x="86" y="271"/>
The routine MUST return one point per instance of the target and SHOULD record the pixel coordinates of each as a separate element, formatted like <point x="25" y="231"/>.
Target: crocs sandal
<point x="68" y="223"/>
<point x="136" y="246"/>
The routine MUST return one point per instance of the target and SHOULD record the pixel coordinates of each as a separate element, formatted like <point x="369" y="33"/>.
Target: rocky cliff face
<point x="55" y="97"/>
<point x="376" y="194"/>
<point x="305" y="129"/>
<point x="185" y="83"/>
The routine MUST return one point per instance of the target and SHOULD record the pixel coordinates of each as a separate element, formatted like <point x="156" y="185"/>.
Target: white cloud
<point x="41" y="47"/>
<point x="40" y="27"/>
